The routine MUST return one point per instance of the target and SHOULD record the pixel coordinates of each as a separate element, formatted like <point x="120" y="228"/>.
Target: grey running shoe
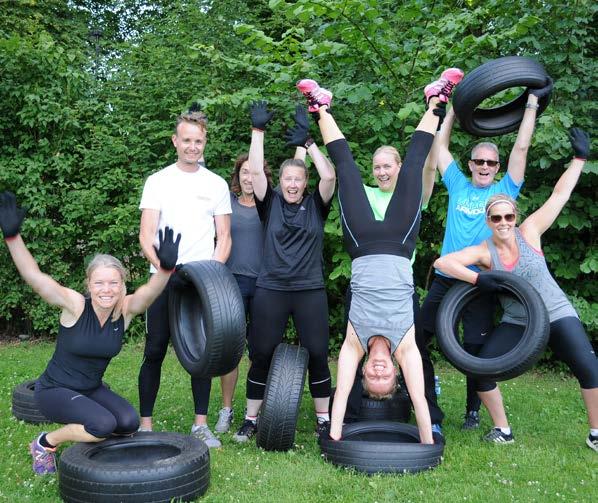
<point x="592" y="442"/>
<point x="225" y="419"/>
<point x="472" y="420"/>
<point x="203" y="433"/>
<point x="498" y="437"/>
<point x="247" y="430"/>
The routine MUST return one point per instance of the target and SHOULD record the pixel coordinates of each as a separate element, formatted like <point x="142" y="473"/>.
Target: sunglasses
<point x="489" y="162"/>
<point x="509" y="217"/>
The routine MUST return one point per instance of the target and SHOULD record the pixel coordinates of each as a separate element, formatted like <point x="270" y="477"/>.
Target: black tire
<point x="396" y="408"/>
<point x="381" y="447"/>
<point x="514" y="362"/>
<point x="207" y="319"/>
<point x="489" y="79"/>
<point x="282" y="398"/>
<point x="24" y="406"/>
<point x="148" y="467"/>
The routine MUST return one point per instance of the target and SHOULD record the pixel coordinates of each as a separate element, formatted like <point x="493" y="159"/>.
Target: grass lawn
<point x="548" y="462"/>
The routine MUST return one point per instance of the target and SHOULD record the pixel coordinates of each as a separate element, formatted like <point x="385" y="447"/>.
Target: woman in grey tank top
<point x="518" y="250"/>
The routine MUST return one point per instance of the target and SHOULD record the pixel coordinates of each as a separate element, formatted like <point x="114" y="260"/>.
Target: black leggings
<point x="156" y="344"/>
<point x="396" y="234"/>
<point x="568" y="340"/>
<point x="269" y="315"/>
<point x="101" y="411"/>
<point x="478" y="321"/>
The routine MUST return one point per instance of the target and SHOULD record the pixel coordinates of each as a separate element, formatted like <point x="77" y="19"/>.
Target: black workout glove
<point x="260" y="116"/>
<point x="298" y="135"/>
<point x="169" y="249"/>
<point x="580" y="141"/>
<point x="486" y="283"/>
<point x="540" y="92"/>
<point x="440" y="112"/>
<point x="11" y="216"/>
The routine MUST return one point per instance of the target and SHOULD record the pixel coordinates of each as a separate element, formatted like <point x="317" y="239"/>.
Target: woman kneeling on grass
<point x="518" y="250"/>
<point x="70" y="391"/>
<point x="381" y="313"/>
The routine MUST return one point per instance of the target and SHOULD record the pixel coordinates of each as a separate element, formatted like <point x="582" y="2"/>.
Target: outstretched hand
<point x="11" y="216"/>
<point x="260" y="115"/>
<point x="486" y="283"/>
<point x="580" y="141"/>
<point x="299" y="134"/>
<point x="168" y="252"/>
<point x="540" y="92"/>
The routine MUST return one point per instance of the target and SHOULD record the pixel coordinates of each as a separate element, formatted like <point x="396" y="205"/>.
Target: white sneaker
<point x="225" y="419"/>
<point x="203" y="433"/>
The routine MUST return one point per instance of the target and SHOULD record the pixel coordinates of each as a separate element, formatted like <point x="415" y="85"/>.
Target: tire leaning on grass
<point x="147" y="467"/>
<point x="515" y="361"/>
<point x="207" y="319"/>
<point x="381" y="447"/>
<point x="489" y="79"/>
<point x="24" y="406"/>
<point x="277" y="421"/>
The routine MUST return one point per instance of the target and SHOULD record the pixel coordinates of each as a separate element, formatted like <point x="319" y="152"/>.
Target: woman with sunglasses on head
<point x="518" y="249"/>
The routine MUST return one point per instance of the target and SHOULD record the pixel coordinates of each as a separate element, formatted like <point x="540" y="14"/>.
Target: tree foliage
<point x="86" y="119"/>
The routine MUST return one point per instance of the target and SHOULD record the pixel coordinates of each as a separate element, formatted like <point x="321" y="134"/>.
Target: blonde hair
<point x="104" y="260"/>
<point x="379" y="396"/>
<point x="501" y="198"/>
<point x="388" y="149"/>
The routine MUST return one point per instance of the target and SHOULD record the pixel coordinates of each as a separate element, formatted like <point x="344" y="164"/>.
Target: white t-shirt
<point x="187" y="203"/>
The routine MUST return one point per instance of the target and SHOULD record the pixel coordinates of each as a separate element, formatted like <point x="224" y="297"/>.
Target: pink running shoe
<point x="316" y="95"/>
<point x="443" y="87"/>
<point x="44" y="459"/>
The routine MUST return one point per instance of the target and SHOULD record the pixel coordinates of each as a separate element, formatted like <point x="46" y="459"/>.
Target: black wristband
<point x="309" y="143"/>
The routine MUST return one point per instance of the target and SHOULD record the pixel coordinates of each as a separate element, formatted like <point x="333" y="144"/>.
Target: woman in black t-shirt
<point x="70" y="391"/>
<point x="291" y="281"/>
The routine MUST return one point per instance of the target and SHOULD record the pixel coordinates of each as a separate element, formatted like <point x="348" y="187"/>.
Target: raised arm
<point x="429" y="172"/>
<point x="518" y="157"/>
<point x="540" y="220"/>
<point x="298" y="136"/>
<point x="260" y="116"/>
<point x="11" y="218"/>
<point x="442" y="142"/>
<point x="144" y="296"/>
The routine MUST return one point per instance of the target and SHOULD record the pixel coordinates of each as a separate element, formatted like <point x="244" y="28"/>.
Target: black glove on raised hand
<point x="540" y="92"/>
<point x="260" y="116"/>
<point x="486" y="283"/>
<point x="580" y="141"/>
<point x="299" y="134"/>
<point x="169" y="249"/>
<point x="11" y="216"/>
<point x="440" y="112"/>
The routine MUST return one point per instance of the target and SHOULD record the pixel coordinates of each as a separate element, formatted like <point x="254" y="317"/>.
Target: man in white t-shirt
<point x="187" y="197"/>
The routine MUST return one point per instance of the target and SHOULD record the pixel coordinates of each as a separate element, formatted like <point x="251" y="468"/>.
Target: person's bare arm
<point x="147" y="233"/>
<point x="223" y="238"/>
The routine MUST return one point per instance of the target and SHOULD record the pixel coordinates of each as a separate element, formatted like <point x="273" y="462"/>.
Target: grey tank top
<point x="247" y="240"/>
<point x="531" y="265"/>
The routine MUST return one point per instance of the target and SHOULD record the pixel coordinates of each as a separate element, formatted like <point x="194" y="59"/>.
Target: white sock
<point x="324" y="416"/>
<point x="594" y="432"/>
<point x="506" y="431"/>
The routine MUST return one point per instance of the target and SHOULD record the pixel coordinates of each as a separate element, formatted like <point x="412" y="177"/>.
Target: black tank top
<point x="83" y="352"/>
<point x="293" y="242"/>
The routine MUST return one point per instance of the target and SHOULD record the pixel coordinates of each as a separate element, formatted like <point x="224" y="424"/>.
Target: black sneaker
<point x="592" y="442"/>
<point x="247" y="430"/>
<point x="322" y="428"/>
<point x="472" y="420"/>
<point x="496" y="436"/>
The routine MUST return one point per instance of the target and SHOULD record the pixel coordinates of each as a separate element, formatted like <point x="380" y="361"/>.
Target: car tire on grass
<point x="147" y="467"/>
<point x="381" y="447"/>
<point x="277" y="421"/>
